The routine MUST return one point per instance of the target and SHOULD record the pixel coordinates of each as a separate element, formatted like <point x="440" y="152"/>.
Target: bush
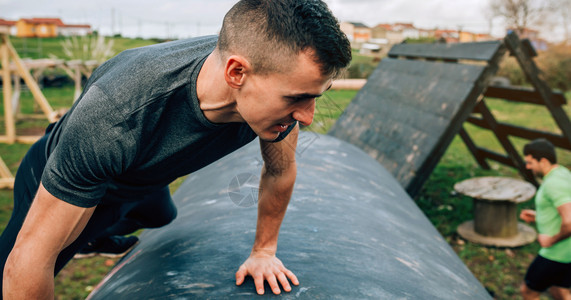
<point x="554" y="64"/>
<point x="360" y="70"/>
<point x="510" y="68"/>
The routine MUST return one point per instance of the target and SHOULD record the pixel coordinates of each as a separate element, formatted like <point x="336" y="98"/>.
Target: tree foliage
<point x="554" y="64"/>
<point x="545" y="15"/>
<point x="519" y="14"/>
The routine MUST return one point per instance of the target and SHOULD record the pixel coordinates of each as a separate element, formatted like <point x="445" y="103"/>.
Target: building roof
<point x="7" y="23"/>
<point x="385" y="26"/>
<point x="55" y="21"/>
<point x="484" y="35"/>
<point x="358" y="24"/>
<point x="405" y="25"/>
<point x="76" y="26"/>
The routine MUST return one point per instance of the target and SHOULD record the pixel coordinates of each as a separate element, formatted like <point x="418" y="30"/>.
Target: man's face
<point x="270" y="103"/>
<point x="533" y="165"/>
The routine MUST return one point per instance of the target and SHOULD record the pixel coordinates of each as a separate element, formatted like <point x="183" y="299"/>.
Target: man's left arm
<point x="276" y="186"/>
<point x="565" y="231"/>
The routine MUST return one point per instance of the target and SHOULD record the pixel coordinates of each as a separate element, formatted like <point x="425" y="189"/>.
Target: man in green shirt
<point x="551" y="269"/>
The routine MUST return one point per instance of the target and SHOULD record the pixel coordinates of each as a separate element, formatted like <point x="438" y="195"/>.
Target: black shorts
<point x="544" y="273"/>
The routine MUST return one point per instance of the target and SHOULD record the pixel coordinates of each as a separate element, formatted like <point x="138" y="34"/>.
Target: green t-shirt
<point x="553" y="192"/>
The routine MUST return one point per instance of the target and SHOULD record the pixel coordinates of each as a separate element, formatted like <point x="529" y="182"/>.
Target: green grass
<point x="36" y="48"/>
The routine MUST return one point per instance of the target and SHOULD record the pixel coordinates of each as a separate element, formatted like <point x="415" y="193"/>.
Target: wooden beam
<point x="16" y="95"/>
<point x="504" y="160"/>
<point x="4" y="171"/>
<point x="526" y="133"/>
<point x="77" y="80"/>
<point x="505" y="142"/>
<point x="30" y="82"/>
<point x="6" y="178"/>
<point x="22" y="139"/>
<point x="6" y="183"/>
<point x="473" y="149"/>
<point x="7" y="88"/>
<point x="523" y="95"/>
<point x="481" y="51"/>
<point x="348" y="84"/>
<point x="531" y="71"/>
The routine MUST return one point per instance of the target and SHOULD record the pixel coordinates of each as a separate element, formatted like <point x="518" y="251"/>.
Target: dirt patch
<point x="32" y="131"/>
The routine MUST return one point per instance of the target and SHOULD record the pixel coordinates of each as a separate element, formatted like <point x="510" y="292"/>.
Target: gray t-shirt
<point x="137" y="127"/>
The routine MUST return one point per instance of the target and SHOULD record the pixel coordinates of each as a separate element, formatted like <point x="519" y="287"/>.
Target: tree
<point x="519" y="14"/>
<point x="562" y="9"/>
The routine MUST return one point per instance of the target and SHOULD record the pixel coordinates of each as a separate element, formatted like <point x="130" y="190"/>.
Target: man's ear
<point x="235" y="71"/>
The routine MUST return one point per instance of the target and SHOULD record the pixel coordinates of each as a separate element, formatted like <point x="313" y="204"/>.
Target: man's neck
<point x="549" y="169"/>
<point x="215" y="97"/>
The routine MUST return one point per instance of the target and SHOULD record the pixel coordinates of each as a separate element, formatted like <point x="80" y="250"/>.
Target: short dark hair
<point x="269" y="32"/>
<point x="541" y="148"/>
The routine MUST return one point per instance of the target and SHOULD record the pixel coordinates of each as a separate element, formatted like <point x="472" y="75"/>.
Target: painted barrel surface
<point x="351" y="232"/>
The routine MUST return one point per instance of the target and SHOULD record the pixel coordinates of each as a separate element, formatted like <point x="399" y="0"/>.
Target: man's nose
<point x="304" y="113"/>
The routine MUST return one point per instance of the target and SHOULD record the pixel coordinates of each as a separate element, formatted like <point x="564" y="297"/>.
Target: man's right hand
<point x="528" y="215"/>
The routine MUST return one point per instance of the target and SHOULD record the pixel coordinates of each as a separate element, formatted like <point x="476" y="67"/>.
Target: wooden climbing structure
<point x="10" y="60"/>
<point x="418" y="99"/>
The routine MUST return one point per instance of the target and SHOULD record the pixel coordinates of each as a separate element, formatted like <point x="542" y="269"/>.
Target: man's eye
<point x="302" y="99"/>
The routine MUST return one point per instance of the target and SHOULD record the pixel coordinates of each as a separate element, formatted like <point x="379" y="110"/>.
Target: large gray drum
<point x="351" y="232"/>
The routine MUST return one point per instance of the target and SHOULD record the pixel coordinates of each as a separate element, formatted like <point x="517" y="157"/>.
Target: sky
<point x="188" y="18"/>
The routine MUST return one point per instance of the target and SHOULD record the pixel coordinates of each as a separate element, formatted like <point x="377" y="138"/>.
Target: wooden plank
<point x="445" y="71"/>
<point x="348" y="84"/>
<point x="481" y="51"/>
<point x="408" y="112"/>
<point x="402" y="117"/>
<point x="502" y="137"/>
<point x="77" y="80"/>
<point x="22" y="139"/>
<point x="396" y="138"/>
<point x="528" y="48"/>
<point x="532" y="73"/>
<point x="4" y="170"/>
<point x="505" y="160"/>
<point x="10" y="123"/>
<point x="523" y="95"/>
<point x="437" y="87"/>
<point x="469" y="102"/>
<point x="473" y="149"/>
<point x="6" y="183"/>
<point x="526" y="133"/>
<point x="16" y="95"/>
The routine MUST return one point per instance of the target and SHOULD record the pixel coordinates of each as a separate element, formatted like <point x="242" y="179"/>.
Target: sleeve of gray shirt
<point x="95" y="145"/>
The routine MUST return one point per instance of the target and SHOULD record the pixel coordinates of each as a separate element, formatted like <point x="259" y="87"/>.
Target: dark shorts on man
<point x="544" y="273"/>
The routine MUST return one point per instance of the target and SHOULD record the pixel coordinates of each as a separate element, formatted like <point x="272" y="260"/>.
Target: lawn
<point x="36" y="48"/>
<point x="499" y="270"/>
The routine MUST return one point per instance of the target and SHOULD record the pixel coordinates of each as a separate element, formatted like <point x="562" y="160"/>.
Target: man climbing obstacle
<point x="551" y="269"/>
<point x="153" y="114"/>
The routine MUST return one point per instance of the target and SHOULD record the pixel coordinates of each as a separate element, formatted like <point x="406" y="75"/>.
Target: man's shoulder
<point x="196" y="44"/>
<point x="560" y="175"/>
<point x="558" y="184"/>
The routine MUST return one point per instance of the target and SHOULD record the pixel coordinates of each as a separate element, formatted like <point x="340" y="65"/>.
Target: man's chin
<point x="268" y="136"/>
